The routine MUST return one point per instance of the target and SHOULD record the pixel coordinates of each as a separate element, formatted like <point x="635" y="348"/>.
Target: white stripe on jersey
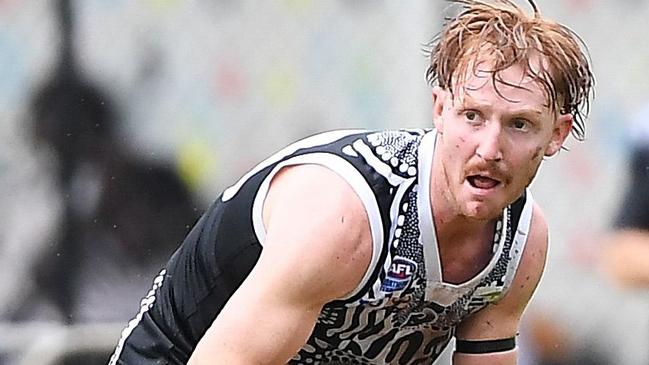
<point x="316" y="140"/>
<point x="145" y="305"/>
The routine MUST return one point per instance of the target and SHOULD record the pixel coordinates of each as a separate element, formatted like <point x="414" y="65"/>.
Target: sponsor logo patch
<point x="399" y="275"/>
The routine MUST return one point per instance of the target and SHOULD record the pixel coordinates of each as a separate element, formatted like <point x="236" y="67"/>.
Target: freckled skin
<point x="490" y="143"/>
<point x="537" y="154"/>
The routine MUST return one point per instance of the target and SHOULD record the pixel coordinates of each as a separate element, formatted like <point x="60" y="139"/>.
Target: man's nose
<point x="490" y="143"/>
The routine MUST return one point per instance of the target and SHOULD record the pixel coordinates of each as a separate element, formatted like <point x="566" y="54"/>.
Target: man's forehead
<point x="486" y="72"/>
<point x="513" y="84"/>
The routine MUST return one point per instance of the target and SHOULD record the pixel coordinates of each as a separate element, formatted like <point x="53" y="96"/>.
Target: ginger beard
<point x="491" y="141"/>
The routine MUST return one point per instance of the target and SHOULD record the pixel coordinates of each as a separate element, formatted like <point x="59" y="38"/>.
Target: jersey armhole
<point x="358" y="183"/>
<point x="520" y="233"/>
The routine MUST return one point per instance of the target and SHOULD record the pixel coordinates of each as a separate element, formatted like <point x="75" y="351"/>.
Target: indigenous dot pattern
<point x="397" y="149"/>
<point x="397" y="326"/>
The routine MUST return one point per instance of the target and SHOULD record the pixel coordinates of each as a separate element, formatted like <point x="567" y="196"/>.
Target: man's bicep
<point x="271" y="315"/>
<point x="315" y="250"/>
<point x="316" y="220"/>
<point x="262" y="323"/>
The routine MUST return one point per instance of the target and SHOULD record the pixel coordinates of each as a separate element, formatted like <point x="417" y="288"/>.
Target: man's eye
<point x="471" y="115"/>
<point x="520" y="124"/>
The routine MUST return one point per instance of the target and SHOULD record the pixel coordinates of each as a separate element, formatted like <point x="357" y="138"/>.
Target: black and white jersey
<point x="402" y="312"/>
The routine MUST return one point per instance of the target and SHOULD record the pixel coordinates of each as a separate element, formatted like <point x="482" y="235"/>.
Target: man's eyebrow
<point x="533" y="111"/>
<point x="468" y="101"/>
<point x="527" y="111"/>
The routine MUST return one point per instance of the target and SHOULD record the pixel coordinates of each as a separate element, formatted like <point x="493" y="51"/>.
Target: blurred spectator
<point x="31" y="211"/>
<point x="120" y="217"/>
<point x="624" y="257"/>
<point x="548" y="341"/>
<point x="626" y="253"/>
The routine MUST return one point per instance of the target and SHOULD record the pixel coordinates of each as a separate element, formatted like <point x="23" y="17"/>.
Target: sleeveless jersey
<point x="402" y="312"/>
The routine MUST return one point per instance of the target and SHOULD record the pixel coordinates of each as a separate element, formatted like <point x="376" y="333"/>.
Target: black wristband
<point x="485" y="346"/>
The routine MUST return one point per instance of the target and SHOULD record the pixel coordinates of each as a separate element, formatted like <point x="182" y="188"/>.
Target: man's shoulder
<point x="311" y="192"/>
<point x="538" y="234"/>
<point x="313" y="216"/>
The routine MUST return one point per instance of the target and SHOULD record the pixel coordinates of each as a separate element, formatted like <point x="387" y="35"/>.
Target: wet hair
<point x="503" y="34"/>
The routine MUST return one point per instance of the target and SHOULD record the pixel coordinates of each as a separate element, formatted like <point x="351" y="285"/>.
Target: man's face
<point x="491" y="142"/>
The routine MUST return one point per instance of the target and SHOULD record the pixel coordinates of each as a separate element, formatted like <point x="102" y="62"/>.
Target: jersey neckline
<point x="435" y="285"/>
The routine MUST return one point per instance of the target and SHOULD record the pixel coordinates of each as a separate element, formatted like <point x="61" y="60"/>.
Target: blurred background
<point x="120" y="121"/>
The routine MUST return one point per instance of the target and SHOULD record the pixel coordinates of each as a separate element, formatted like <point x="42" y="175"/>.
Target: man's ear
<point x="562" y="127"/>
<point x="439" y="97"/>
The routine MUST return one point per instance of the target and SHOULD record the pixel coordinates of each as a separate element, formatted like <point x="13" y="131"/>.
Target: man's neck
<point x="451" y="229"/>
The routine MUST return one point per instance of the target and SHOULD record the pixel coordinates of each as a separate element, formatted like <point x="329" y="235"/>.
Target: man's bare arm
<point x="317" y="249"/>
<point x="501" y="320"/>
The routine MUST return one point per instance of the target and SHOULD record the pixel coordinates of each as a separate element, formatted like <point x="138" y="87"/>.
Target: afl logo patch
<point x="400" y="273"/>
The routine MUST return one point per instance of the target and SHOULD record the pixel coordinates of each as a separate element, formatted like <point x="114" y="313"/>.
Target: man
<point x="378" y="247"/>
<point x="626" y="247"/>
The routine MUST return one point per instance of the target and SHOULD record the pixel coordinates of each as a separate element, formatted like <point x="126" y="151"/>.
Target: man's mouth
<point x="482" y="182"/>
